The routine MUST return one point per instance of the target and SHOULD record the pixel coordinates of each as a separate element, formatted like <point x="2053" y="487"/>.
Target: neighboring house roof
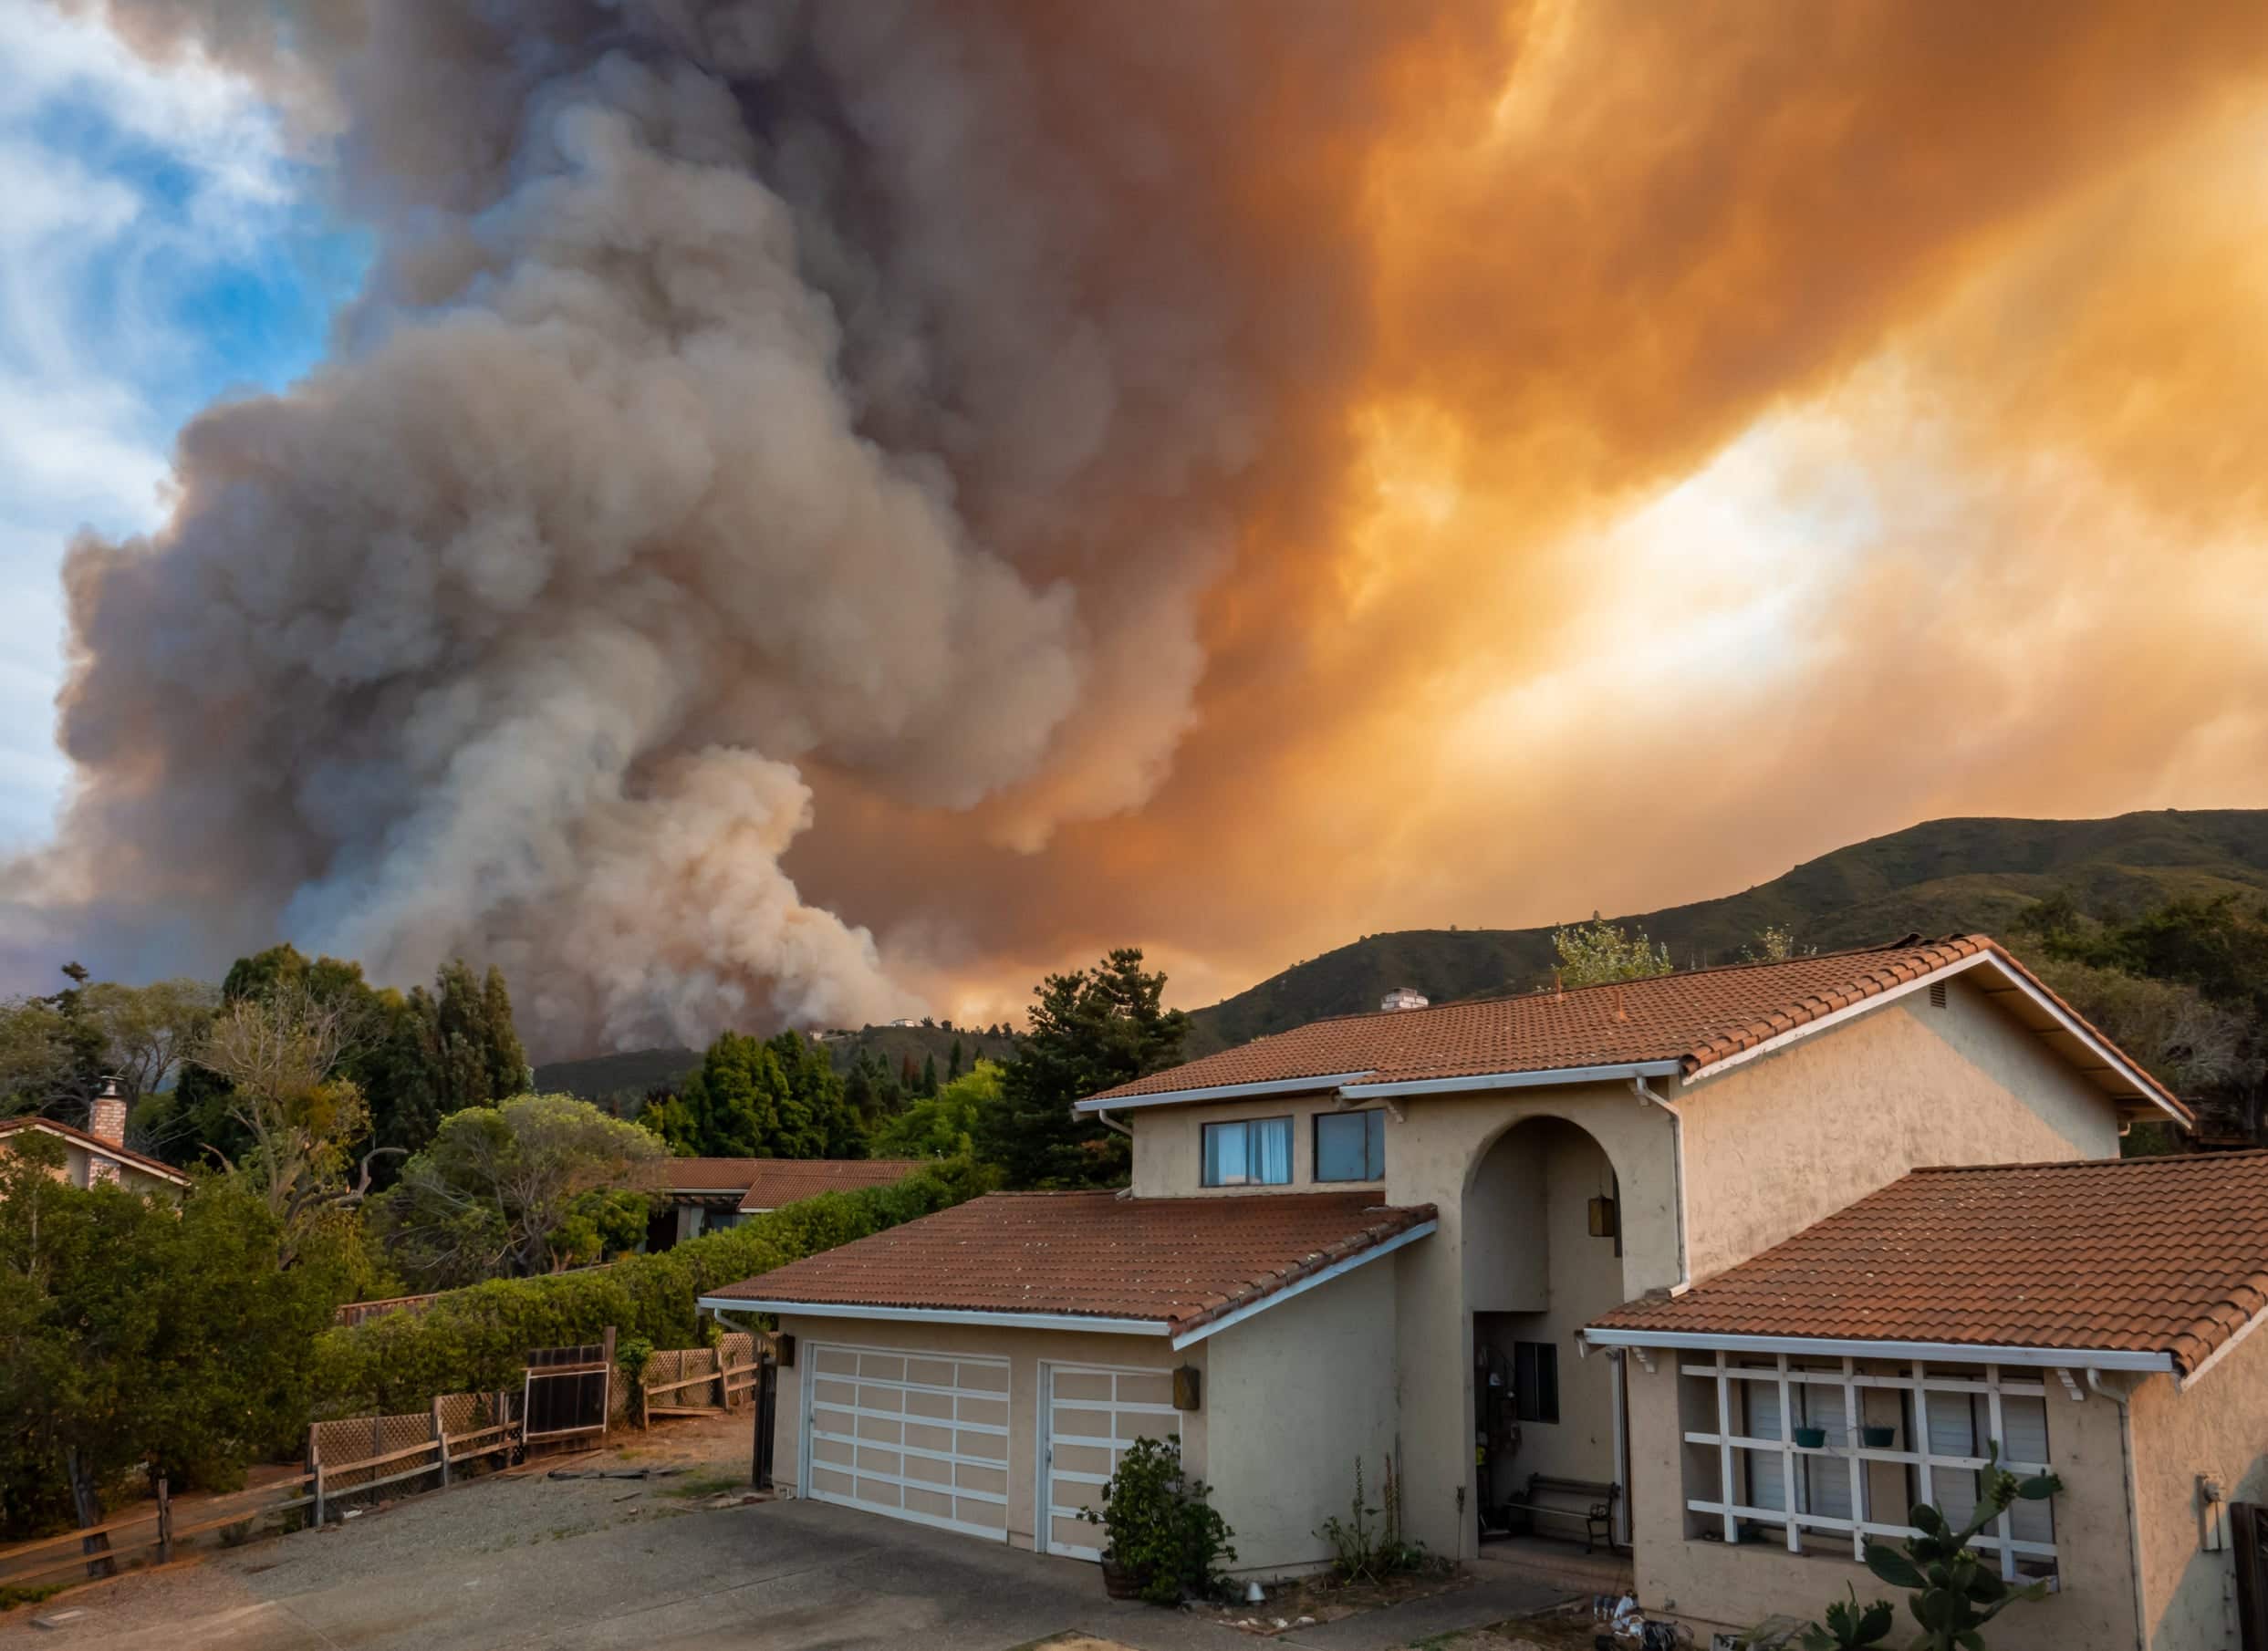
<point x="1688" y="1023"/>
<point x="96" y="1144"/>
<point x="779" y="1181"/>
<point x="2162" y="1256"/>
<point x="1179" y="1267"/>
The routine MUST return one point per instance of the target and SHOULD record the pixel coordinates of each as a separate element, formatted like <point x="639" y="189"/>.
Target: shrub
<point x="1956" y="1589"/>
<point x="1368" y="1546"/>
<point x="477" y="1339"/>
<point x="1160" y="1527"/>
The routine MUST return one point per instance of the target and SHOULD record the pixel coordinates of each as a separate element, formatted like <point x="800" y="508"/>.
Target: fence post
<point x="440" y="1442"/>
<point x="165" y="1525"/>
<point x="315" y="1462"/>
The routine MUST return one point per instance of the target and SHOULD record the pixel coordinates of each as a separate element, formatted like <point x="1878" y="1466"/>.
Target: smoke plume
<point x="1055" y="474"/>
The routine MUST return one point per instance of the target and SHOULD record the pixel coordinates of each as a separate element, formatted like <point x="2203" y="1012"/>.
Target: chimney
<point x="105" y="1120"/>
<point x="1403" y="996"/>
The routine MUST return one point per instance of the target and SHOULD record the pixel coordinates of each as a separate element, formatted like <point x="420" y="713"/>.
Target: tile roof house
<point x="706" y="1195"/>
<point x="98" y="1153"/>
<point x="1539" y="1237"/>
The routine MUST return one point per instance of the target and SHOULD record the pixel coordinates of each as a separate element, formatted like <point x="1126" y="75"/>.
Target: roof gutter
<point x="1218" y="1092"/>
<point x="1321" y="1275"/>
<point x="1957" y="1353"/>
<point x="1532" y="1079"/>
<point x="940" y="1315"/>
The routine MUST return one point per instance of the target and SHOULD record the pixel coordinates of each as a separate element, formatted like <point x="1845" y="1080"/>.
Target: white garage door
<point x="1092" y="1416"/>
<point x="917" y="1436"/>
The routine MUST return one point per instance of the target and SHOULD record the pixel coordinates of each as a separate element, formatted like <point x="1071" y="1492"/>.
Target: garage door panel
<point x="1092" y="1418"/>
<point x="924" y="1436"/>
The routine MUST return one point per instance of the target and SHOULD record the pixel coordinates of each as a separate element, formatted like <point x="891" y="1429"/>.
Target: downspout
<point x="1677" y="1174"/>
<point x="1103" y="1113"/>
<point x="2134" y="1518"/>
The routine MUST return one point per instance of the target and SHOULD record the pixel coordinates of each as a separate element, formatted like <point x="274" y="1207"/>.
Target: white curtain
<point x="1272" y="1152"/>
<point x="1224" y="1155"/>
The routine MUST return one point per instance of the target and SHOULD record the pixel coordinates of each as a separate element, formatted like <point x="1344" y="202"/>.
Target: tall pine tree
<point x="1091" y="1029"/>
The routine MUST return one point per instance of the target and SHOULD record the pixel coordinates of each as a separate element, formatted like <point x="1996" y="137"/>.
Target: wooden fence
<point x="149" y="1535"/>
<point x="700" y="1381"/>
<point x="348" y="1459"/>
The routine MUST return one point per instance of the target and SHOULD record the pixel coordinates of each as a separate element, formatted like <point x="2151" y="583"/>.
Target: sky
<point x="158" y="250"/>
<point x="1227" y="490"/>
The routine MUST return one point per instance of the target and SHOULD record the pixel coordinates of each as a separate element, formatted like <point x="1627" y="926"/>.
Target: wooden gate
<point x="2249" y="1527"/>
<point x="567" y="1391"/>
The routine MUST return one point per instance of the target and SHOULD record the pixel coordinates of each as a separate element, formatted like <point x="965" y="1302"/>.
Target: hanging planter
<point x="1879" y="1438"/>
<point x="1812" y="1439"/>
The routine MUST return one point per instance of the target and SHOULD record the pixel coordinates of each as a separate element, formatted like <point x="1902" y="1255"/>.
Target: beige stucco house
<point x="1409" y="1233"/>
<point x="98" y="1154"/>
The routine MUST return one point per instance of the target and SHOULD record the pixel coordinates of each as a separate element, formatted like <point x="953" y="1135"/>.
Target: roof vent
<point x="1403" y="996"/>
<point x="1936" y="995"/>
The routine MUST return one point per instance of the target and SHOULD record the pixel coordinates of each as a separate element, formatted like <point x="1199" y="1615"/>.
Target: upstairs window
<point x="1350" y="1146"/>
<point x="1251" y="1152"/>
<point x="1536" y="1381"/>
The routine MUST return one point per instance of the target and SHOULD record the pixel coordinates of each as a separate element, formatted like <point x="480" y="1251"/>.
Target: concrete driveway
<point x="795" y="1575"/>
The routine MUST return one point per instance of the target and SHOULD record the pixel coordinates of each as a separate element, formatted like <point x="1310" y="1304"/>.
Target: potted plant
<point x="1164" y="1541"/>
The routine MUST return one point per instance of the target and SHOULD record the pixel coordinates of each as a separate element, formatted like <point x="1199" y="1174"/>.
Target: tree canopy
<point x="778" y="1098"/>
<point x="539" y="1183"/>
<point x="135" y="1331"/>
<point x="1595" y="952"/>
<point x="1090" y="1029"/>
<point x="944" y="1124"/>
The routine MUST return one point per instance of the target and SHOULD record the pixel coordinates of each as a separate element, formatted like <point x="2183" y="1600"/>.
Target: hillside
<point x="634" y="1071"/>
<point x="1935" y="878"/>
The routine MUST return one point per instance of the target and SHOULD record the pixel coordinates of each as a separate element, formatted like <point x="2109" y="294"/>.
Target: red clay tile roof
<point x="1697" y="1017"/>
<point x="779" y="1181"/>
<point x="1180" y="1260"/>
<point x="2152" y="1255"/>
<point x="782" y="1180"/>
<point x="95" y="1143"/>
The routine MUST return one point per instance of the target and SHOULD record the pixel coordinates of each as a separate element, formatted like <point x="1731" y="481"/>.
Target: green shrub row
<point x="477" y="1339"/>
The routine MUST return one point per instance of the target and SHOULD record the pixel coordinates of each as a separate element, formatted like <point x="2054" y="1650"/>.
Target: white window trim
<point x="1849" y="1380"/>
<point x="1291" y="1149"/>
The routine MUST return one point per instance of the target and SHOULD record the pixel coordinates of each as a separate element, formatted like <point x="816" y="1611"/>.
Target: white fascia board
<point x="1300" y="1287"/>
<point x="1934" y="1353"/>
<point x="1219" y="1092"/>
<point x="940" y="1315"/>
<point x="2222" y="1352"/>
<point x="1536" y="1079"/>
<point x="2109" y="1057"/>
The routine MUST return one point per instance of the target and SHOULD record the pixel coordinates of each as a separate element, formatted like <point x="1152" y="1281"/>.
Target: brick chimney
<point x="106" y="1120"/>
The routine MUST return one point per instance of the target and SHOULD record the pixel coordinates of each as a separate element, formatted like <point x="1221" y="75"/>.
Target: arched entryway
<point x="1543" y="1257"/>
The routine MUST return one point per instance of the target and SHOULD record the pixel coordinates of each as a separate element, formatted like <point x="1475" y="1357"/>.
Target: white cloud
<point x="132" y="188"/>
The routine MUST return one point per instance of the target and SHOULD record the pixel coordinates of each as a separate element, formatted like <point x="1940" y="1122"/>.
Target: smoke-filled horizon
<point x="826" y="509"/>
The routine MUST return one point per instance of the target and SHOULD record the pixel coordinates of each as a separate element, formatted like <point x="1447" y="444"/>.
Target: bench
<point x="1590" y="1501"/>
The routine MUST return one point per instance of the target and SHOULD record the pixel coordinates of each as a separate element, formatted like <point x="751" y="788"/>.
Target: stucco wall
<point x="1712" y="1586"/>
<point x="1774" y="1145"/>
<point x="2218" y="1428"/>
<point x="1168" y="1145"/>
<point x="1301" y="1391"/>
<point x="1024" y="1350"/>
<point x="1432" y="1157"/>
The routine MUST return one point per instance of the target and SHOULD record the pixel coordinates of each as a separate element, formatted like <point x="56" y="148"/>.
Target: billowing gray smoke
<point x="739" y="387"/>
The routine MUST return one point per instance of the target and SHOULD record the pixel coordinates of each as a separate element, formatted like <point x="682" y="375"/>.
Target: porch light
<point x="1603" y="1218"/>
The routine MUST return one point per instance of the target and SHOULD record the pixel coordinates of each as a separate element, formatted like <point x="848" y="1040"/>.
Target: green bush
<point x="1160" y="1527"/>
<point x="477" y="1339"/>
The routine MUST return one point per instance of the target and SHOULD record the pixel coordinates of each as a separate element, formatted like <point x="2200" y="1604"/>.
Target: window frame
<point x="1374" y="1135"/>
<point x="1526" y="1396"/>
<point x="1738" y="1457"/>
<point x="1205" y="1151"/>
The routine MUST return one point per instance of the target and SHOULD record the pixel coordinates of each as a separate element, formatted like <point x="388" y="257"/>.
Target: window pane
<point x="1224" y="1155"/>
<point x="1827" y="1480"/>
<point x="1342" y="1146"/>
<point x="1376" y="1143"/>
<point x="1272" y="1152"/>
<point x="1536" y="1381"/>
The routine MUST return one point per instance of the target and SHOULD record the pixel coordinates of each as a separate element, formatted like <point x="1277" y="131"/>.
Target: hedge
<point x="475" y="1340"/>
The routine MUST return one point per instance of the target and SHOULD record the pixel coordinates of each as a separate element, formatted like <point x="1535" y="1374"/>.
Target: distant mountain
<point x="636" y="1071"/>
<point x="1937" y="877"/>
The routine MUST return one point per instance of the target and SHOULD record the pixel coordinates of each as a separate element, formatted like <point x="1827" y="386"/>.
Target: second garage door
<point x="1092" y="1416"/>
<point x="916" y="1435"/>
